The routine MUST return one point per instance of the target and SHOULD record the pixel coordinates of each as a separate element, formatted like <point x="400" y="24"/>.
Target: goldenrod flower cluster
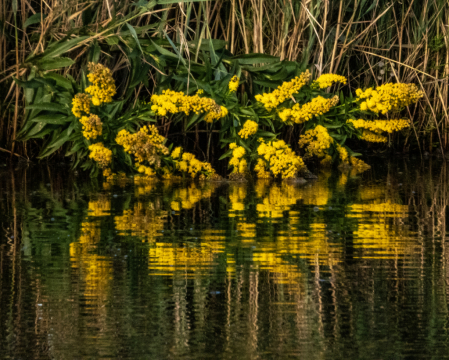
<point x="302" y="113"/>
<point x="326" y="80"/>
<point x="373" y="137"/>
<point x="388" y="97"/>
<point x="92" y="126"/>
<point x="81" y="105"/>
<point x="237" y="161"/>
<point x="378" y="126"/>
<point x="191" y="165"/>
<point x="358" y="163"/>
<point x="249" y="128"/>
<point x="103" y="85"/>
<point x="175" y="102"/>
<point x="317" y="140"/>
<point x="145" y="145"/>
<point x="101" y="155"/>
<point x="261" y="169"/>
<point x="176" y="153"/>
<point x="343" y="153"/>
<point x="279" y="158"/>
<point x="283" y="92"/>
<point x="234" y="83"/>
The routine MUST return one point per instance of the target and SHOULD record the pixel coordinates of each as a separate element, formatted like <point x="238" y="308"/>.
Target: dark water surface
<point x="351" y="266"/>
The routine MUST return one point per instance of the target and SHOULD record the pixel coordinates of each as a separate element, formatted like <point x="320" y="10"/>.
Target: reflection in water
<point x="348" y="266"/>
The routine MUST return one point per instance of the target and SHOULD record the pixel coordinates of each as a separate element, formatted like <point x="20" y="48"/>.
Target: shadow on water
<point x="348" y="266"/>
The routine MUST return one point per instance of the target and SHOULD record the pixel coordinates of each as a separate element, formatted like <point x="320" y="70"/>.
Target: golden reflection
<point x="95" y="270"/>
<point x="144" y="220"/>
<point x="187" y="197"/>
<point x="237" y="195"/>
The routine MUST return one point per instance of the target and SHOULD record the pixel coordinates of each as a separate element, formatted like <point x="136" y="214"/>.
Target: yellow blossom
<point x="279" y="158"/>
<point x="103" y="85"/>
<point x="302" y="113"/>
<point x="388" y="97"/>
<point x="283" y="92"/>
<point x="146" y="144"/>
<point x="92" y="126"/>
<point x="234" y="83"/>
<point x="81" y="105"/>
<point x="326" y="80"/>
<point x="176" y="153"/>
<point x="373" y="137"/>
<point x="176" y="102"/>
<point x="379" y="126"/>
<point x="101" y="155"/>
<point x="249" y="128"/>
<point x="317" y="140"/>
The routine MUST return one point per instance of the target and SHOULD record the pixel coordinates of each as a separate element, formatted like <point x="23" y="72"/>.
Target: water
<point x="351" y="266"/>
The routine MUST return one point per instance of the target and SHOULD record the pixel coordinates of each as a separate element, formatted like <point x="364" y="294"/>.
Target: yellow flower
<point x="317" y="140"/>
<point x="326" y="80"/>
<point x="388" y="97"/>
<point x="283" y="92"/>
<point x="279" y="158"/>
<point x="192" y="166"/>
<point x="92" y="126"/>
<point x="175" y="154"/>
<point x="176" y="102"/>
<point x="233" y="84"/>
<point x="302" y="113"/>
<point x="103" y="85"/>
<point x="238" y="152"/>
<point x="378" y="126"/>
<point x="243" y="166"/>
<point x="343" y="153"/>
<point x="249" y="128"/>
<point x="146" y="144"/>
<point x="100" y="154"/>
<point x="81" y="105"/>
<point x="373" y="137"/>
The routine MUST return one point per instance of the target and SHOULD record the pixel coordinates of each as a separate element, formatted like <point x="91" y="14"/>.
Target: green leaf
<point x="250" y="59"/>
<point x="47" y="106"/>
<point x="55" y="119"/>
<point x="52" y="64"/>
<point x="134" y="35"/>
<point x="33" y="19"/>
<point x="62" y="47"/>
<point x="30" y="84"/>
<point x="226" y="154"/>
